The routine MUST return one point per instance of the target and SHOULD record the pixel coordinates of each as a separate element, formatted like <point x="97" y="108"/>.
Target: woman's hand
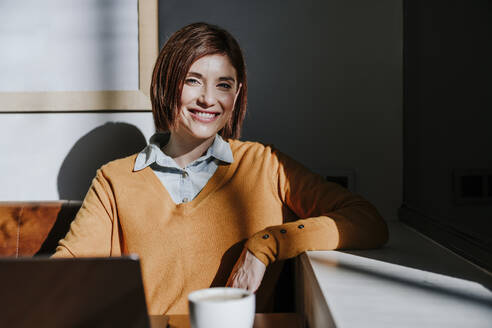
<point x="247" y="273"/>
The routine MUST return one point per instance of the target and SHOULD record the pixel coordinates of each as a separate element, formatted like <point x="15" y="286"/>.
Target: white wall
<point x="55" y="156"/>
<point x="325" y="83"/>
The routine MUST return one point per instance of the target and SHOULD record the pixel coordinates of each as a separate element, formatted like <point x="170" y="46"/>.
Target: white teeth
<point x="205" y="115"/>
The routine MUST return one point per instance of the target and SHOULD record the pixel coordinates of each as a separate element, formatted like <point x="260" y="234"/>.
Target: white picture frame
<point x="104" y="100"/>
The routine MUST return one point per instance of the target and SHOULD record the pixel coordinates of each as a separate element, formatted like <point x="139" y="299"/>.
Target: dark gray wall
<point x="325" y="81"/>
<point x="447" y="108"/>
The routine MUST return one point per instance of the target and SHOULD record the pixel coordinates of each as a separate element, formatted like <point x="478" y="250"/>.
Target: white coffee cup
<point x="221" y="307"/>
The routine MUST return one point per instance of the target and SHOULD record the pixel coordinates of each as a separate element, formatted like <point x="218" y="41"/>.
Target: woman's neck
<point x="184" y="151"/>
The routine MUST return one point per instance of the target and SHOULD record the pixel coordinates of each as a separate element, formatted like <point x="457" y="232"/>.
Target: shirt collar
<point x="220" y="149"/>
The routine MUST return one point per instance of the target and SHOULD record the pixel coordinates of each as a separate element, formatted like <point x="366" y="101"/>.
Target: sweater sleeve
<point x="91" y="232"/>
<point x="331" y="217"/>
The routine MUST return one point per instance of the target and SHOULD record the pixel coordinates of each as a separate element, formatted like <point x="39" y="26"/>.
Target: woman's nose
<point x="207" y="98"/>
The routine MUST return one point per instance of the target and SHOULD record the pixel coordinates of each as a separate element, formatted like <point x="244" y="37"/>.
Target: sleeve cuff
<point x="263" y="245"/>
<point x="290" y="239"/>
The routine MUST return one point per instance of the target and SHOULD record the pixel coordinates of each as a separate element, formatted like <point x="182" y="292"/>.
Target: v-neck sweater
<point x="264" y="201"/>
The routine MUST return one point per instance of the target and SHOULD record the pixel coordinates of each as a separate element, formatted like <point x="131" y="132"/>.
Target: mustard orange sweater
<point x="264" y="201"/>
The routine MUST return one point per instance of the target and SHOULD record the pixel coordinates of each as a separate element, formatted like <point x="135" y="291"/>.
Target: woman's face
<point x="209" y="93"/>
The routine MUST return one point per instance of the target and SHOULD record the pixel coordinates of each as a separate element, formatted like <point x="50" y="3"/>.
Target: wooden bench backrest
<point x="30" y="228"/>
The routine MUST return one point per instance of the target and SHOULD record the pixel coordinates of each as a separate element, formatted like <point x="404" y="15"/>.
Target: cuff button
<point x="283" y="231"/>
<point x="300" y="226"/>
<point x="265" y="236"/>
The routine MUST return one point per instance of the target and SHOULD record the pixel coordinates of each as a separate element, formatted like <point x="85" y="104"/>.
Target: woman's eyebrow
<point x="195" y="74"/>
<point x="227" y="78"/>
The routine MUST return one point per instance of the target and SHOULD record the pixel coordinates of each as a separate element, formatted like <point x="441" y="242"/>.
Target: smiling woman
<point x="209" y="94"/>
<point x="177" y="63"/>
<point x="202" y="208"/>
<point x="207" y="102"/>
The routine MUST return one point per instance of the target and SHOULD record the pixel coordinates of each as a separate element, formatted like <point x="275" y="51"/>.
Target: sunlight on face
<point x="209" y="94"/>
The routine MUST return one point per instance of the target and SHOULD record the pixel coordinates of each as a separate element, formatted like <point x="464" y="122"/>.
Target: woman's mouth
<point x="203" y="116"/>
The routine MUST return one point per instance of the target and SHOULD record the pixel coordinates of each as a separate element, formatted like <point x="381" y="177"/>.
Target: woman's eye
<point x="224" y="86"/>
<point x="192" y="81"/>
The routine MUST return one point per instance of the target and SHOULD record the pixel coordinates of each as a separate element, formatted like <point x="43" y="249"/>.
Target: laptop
<point x="76" y="292"/>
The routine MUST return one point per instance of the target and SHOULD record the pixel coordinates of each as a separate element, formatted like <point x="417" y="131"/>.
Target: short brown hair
<point x="182" y="49"/>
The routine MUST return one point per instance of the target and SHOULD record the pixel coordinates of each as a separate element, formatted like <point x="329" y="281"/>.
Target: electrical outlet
<point x="472" y="186"/>
<point x="344" y="177"/>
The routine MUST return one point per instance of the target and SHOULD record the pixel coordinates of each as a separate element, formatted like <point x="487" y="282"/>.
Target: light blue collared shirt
<point x="183" y="184"/>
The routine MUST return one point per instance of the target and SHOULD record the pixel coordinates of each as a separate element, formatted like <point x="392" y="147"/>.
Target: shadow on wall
<point x="98" y="147"/>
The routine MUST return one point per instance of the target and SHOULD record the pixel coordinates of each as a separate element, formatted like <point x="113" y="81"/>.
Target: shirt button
<point x="185" y="200"/>
<point x="265" y="236"/>
<point x="283" y="231"/>
<point x="300" y="226"/>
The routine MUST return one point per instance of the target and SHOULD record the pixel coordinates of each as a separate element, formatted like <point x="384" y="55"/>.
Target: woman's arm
<point x="331" y="217"/>
<point x="92" y="231"/>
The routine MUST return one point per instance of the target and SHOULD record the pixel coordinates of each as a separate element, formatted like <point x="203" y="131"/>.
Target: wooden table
<point x="262" y="320"/>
